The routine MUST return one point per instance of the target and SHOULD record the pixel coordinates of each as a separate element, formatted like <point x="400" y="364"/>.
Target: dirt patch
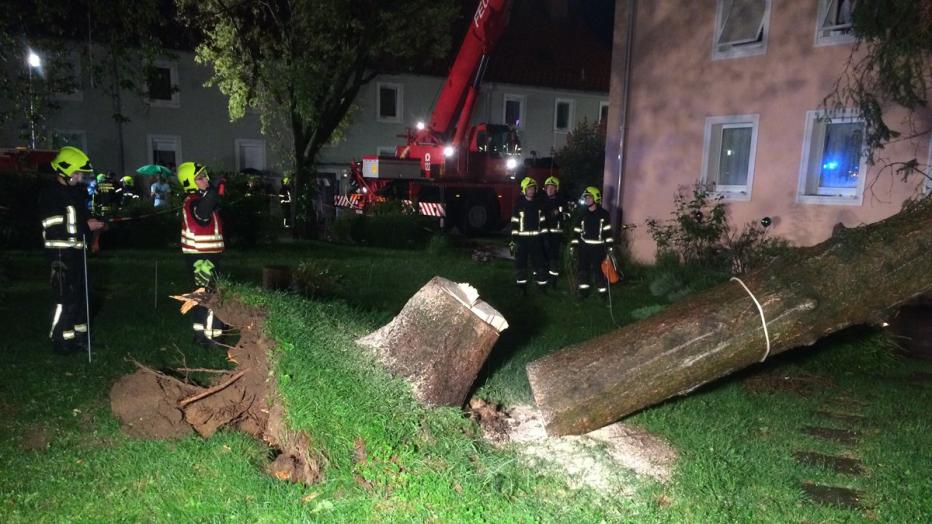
<point x="843" y="418"/>
<point x="153" y="404"/>
<point x="599" y="459"/>
<point x="834" y="496"/>
<point x="842" y="436"/>
<point x="844" y="465"/>
<point x="802" y="384"/>
<point x="36" y="437"/>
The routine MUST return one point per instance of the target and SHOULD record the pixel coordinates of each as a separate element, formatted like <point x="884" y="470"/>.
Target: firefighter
<point x="526" y="223"/>
<point x="128" y="192"/>
<point x="284" y="200"/>
<point x="556" y="212"/>
<point x="102" y="205"/>
<point x="593" y="238"/>
<point x="65" y="225"/>
<point x="201" y="242"/>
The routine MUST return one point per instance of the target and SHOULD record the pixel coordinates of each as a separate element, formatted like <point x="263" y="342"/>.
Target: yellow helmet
<point x="526" y="183"/>
<point x="187" y="172"/>
<point x="552" y="181"/>
<point x="127" y="181"/>
<point x="70" y="160"/>
<point x="596" y="194"/>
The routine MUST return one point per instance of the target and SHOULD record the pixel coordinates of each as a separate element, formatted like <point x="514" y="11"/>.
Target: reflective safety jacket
<point x="104" y="199"/>
<point x="527" y="219"/>
<point x="555" y="214"/>
<point x="594" y="228"/>
<point x="200" y="234"/>
<point x="63" y="211"/>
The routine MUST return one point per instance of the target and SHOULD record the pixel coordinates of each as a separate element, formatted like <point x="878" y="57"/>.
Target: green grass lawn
<point x="64" y="459"/>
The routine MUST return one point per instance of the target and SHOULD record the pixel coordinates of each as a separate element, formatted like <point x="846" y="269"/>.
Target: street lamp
<point x="34" y="61"/>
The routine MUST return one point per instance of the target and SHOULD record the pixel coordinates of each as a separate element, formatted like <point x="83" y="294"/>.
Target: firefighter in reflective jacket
<point x="555" y="215"/>
<point x="284" y="200"/>
<point x="201" y="242"/>
<point x="593" y="238"/>
<point x="527" y="221"/>
<point x="65" y="226"/>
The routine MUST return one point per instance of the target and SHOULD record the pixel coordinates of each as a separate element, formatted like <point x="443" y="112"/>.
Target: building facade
<point x="730" y="93"/>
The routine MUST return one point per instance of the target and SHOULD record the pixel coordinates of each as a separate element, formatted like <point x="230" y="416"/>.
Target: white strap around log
<point x="763" y="321"/>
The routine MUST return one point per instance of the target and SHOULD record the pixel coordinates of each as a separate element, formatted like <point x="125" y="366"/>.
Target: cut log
<point x="439" y="341"/>
<point x="855" y="277"/>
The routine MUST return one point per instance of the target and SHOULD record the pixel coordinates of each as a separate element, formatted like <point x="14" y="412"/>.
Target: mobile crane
<point x="447" y="168"/>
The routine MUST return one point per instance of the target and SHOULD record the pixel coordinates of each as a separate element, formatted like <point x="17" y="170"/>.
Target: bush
<point x="385" y="229"/>
<point x="316" y="280"/>
<point x="19" y="212"/>
<point x="699" y="237"/>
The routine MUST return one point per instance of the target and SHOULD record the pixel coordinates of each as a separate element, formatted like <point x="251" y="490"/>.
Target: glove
<point x="511" y="247"/>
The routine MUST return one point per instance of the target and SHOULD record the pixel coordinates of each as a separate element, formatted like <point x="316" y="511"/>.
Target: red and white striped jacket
<point x="197" y="237"/>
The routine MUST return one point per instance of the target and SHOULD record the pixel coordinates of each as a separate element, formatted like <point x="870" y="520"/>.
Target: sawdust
<point x="603" y="459"/>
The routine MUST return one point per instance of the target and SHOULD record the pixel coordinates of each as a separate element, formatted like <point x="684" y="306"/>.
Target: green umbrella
<point x="153" y="170"/>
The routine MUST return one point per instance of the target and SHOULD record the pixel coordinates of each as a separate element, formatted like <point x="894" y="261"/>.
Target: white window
<point x="741" y="28"/>
<point x="513" y="111"/>
<point x="389" y="102"/>
<point x="603" y="112"/>
<point x="69" y="137"/>
<point x="250" y="154"/>
<point x="162" y="84"/>
<point x="833" y="167"/>
<point x="563" y="116"/>
<point x="833" y="25"/>
<point x="165" y="150"/>
<point x="730" y="146"/>
<point x="386" y="151"/>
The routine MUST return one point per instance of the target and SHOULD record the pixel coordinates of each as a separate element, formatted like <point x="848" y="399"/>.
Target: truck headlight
<point x="511" y="163"/>
<point x="448" y="151"/>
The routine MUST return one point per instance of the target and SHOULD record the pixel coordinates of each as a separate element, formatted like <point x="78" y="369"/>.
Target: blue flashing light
<point x="831" y="164"/>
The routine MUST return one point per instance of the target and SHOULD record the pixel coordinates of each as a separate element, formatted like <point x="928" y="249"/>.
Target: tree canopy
<point x="301" y="63"/>
<point x="891" y="65"/>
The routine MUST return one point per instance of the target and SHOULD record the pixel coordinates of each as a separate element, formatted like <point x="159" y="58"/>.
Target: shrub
<point x="386" y="228"/>
<point x="316" y="280"/>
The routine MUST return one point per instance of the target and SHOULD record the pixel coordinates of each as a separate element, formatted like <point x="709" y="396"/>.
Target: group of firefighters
<point x="537" y="229"/>
<point x="538" y="226"/>
<point x="67" y="226"/>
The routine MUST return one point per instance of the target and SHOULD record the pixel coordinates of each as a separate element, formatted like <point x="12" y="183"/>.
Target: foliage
<point x="19" y="213"/>
<point x="384" y="229"/>
<point x="582" y="159"/>
<point x="116" y="37"/>
<point x="247" y="220"/>
<point x="890" y="65"/>
<point x="694" y="233"/>
<point x="316" y="279"/>
<point x="699" y="237"/>
<point x="301" y="63"/>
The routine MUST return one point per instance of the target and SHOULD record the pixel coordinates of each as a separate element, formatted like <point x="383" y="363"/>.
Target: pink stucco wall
<point x="676" y="85"/>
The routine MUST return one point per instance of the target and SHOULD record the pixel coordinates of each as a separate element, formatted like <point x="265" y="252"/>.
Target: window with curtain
<point x="833" y="168"/>
<point x="728" y="155"/>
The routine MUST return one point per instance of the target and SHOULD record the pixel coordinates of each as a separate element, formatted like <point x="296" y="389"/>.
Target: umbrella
<point x="153" y="170"/>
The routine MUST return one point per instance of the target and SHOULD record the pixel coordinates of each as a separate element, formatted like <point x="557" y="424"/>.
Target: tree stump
<point x="439" y="341"/>
<point x="855" y="277"/>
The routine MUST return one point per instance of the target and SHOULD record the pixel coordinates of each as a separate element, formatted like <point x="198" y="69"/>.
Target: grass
<point x="65" y="460"/>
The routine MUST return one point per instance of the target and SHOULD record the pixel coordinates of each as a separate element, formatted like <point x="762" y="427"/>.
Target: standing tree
<point x="301" y="63"/>
<point x="891" y="65"/>
<point x="108" y="42"/>
<point x="582" y="159"/>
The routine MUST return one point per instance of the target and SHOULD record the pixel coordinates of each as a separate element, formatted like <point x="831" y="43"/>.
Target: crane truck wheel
<point x="480" y="216"/>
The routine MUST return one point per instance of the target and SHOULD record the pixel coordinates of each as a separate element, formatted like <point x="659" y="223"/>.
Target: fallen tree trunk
<point x="855" y="277"/>
<point x="439" y="341"/>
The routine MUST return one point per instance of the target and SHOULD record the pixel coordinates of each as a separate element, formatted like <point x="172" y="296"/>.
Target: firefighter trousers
<point x="530" y="250"/>
<point x="553" y="251"/>
<point x="69" y="304"/>
<point x="589" y="272"/>
<point x="207" y="327"/>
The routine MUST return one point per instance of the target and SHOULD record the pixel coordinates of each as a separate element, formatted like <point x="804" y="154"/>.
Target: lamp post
<point x="34" y="61"/>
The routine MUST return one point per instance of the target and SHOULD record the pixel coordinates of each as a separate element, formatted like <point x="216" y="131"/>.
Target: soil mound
<point x="153" y="404"/>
